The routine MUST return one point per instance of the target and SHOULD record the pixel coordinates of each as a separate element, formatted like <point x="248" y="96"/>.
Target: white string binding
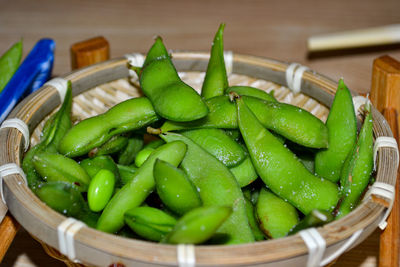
<point x="228" y="57"/>
<point x="186" y="255"/>
<point x="384" y="190"/>
<point x="343" y="248"/>
<point x="21" y="126"/>
<point x="66" y="232"/>
<point x="8" y="169"/>
<point x="385" y="141"/>
<point x="316" y="246"/>
<point x="61" y="86"/>
<point x="294" y="75"/>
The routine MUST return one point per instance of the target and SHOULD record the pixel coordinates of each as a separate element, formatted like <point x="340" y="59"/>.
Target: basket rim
<point x="21" y="198"/>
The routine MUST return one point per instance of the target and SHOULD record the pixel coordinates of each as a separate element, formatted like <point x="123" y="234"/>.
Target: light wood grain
<point x="89" y="52"/>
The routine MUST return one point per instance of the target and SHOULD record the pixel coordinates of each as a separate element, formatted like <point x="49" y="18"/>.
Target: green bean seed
<point x="100" y="190"/>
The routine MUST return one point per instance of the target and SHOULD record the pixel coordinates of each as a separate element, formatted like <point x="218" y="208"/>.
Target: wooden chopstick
<point x="384" y="35"/>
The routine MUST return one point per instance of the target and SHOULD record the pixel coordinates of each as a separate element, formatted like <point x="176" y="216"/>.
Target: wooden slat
<point x="385" y="95"/>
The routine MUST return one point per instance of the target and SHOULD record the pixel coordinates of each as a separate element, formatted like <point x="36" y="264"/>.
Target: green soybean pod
<point x="281" y="170"/>
<point x="150" y="223"/>
<point x="216" y="79"/>
<point x="126" y="173"/>
<point x="244" y="173"/>
<point x="56" y="167"/>
<point x="218" y="144"/>
<point x="54" y="129"/>
<point x="216" y="186"/>
<point x="93" y="165"/>
<point x="198" y="225"/>
<point x="62" y="197"/>
<point x="175" y="190"/>
<point x="156" y="52"/>
<point x="100" y="190"/>
<point x="133" y="193"/>
<point x="342" y="129"/>
<point x="315" y="218"/>
<point x="275" y="216"/>
<point x="126" y="116"/>
<point x="114" y="145"/>
<point x="9" y="63"/>
<point x="357" y="169"/>
<point x="222" y="114"/>
<point x="171" y="97"/>
<point x="258" y="234"/>
<point x="293" y="123"/>
<point x="128" y="154"/>
<point x="251" y="91"/>
<point x="142" y="156"/>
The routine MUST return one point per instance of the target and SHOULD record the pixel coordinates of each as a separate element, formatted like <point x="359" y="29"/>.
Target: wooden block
<point x="385" y="87"/>
<point x="385" y="95"/>
<point x="389" y="246"/>
<point x="8" y="229"/>
<point x="89" y="52"/>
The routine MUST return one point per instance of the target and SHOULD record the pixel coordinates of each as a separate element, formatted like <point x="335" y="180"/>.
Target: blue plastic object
<point x="34" y="71"/>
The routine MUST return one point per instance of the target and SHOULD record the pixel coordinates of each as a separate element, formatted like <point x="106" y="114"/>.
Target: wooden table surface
<point x="275" y="28"/>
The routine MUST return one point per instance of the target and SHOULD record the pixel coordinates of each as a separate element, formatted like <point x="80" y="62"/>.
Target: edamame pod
<point x="281" y="170"/>
<point x="156" y="52"/>
<point x="291" y="122"/>
<point x="56" y="167"/>
<point x="100" y="190"/>
<point x="258" y="234"/>
<point x="62" y="197"/>
<point x="93" y="165"/>
<point x="251" y="91"/>
<point x="171" y="97"/>
<point x="357" y="169"/>
<point x="275" y="216"/>
<point x="244" y="173"/>
<point x="135" y="192"/>
<point x="93" y="132"/>
<point x="142" y="155"/>
<point x="216" y="80"/>
<point x="113" y="145"/>
<point x="128" y="154"/>
<point x="54" y="129"/>
<point x="126" y="173"/>
<point x="222" y="114"/>
<point x="342" y="130"/>
<point x="198" y="225"/>
<point x="9" y="63"/>
<point x="149" y="223"/>
<point x="218" y="144"/>
<point x="315" y="218"/>
<point x="216" y="186"/>
<point x="175" y="190"/>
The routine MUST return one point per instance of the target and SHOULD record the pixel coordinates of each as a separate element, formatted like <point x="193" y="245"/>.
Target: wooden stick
<point x="385" y="95"/>
<point x="89" y="52"/>
<point x="384" y="35"/>
<point x="8" y="229"/>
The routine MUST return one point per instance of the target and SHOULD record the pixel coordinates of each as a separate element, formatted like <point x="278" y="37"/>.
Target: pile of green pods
<point x="231" y="165"/>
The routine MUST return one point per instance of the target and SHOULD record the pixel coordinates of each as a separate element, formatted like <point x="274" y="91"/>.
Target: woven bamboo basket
<point x="98" y="87"/>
